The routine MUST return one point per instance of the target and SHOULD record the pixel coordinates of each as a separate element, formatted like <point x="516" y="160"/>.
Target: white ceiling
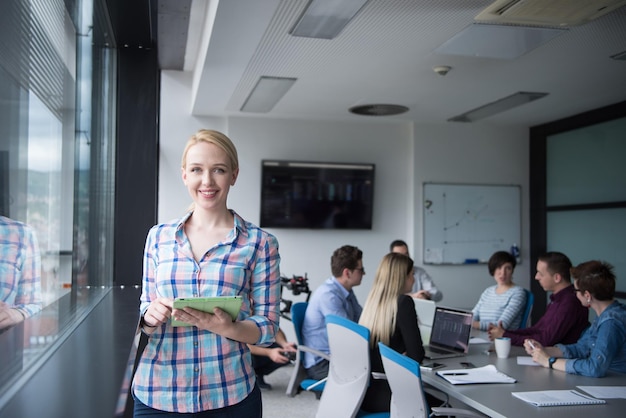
<point x="385" y="55"/>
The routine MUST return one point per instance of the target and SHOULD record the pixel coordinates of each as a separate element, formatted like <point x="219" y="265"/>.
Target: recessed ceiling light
<point x="620" y="57"/>
<point x="497" y="41"/>
<point x="325" y="19"/>
<point x="379" y="110"/>
<point x="547" y="13"/>
<point x="498" y="106"/>
<point x="266" y="93"/>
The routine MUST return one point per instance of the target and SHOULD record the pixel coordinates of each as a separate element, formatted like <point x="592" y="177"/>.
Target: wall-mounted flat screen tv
<point x="316" y="195"/>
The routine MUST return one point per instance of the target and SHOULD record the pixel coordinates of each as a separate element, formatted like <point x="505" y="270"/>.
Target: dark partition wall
<point x="136" y="160"/>
<point x="137" y="134"/>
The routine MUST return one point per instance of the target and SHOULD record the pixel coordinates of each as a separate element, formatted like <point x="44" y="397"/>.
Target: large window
<point x="578" y="178"/>
<point x="57" y="87"/>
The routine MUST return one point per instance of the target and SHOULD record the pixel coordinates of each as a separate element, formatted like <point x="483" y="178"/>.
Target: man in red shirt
<point x="565" y="318"/>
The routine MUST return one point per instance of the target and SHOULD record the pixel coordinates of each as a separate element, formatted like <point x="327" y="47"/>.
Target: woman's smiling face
<point x="208" y="175"/>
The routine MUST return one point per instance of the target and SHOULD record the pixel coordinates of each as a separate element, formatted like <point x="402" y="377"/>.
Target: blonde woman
<point x="390" y="316"/>
<point x="205" y="369"/>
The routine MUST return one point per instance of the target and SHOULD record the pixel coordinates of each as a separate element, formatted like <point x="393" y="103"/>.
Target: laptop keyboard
<point x="438" y="350"/>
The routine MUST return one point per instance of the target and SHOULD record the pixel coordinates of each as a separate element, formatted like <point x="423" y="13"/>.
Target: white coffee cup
<point x="503" y="347"/>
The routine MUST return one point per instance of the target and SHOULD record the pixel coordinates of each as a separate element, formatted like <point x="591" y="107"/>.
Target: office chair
<point x="349" y="372"/>
<point x="407" y="392"/>
<point x="299" y="380"/>
<point x="530" y="300"/>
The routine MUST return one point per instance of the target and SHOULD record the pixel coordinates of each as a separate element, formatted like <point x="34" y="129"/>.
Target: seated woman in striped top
<point x="503" y="302"/>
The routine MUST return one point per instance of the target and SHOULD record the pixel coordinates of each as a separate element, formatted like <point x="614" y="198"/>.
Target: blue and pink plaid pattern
<point x="187" y="370"/>
<point x="20" y="267"/>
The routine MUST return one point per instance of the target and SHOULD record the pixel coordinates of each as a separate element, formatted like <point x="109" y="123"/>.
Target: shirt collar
<point x="339" y="286"/>
<point x="563" y="293"/>
<point x="240" y="225"/>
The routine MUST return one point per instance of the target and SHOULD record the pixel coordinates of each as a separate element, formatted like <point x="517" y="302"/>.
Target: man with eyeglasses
<point x="565" y="318"/>
<point x="334" y="296"/>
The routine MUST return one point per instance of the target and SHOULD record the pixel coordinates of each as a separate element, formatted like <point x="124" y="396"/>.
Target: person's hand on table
<point x="495" y="331"/>
<point x="537" y="351"/>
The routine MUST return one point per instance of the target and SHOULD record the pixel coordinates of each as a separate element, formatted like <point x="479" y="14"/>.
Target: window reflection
<point x="20" y="272"/>
<point x="57" y="90"/>
<point x="44" y="196"/>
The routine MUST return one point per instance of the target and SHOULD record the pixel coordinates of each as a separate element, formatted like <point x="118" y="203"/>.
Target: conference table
<point x="495" y="399"/>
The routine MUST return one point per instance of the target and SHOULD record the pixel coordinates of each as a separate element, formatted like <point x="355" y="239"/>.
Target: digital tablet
<point x="229" y="304"/>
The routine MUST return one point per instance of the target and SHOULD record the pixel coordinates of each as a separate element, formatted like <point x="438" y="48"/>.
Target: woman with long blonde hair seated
<point x="390" y="316"/>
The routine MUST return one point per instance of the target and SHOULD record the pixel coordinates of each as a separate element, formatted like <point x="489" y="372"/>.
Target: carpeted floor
<point x="276" y="404"/>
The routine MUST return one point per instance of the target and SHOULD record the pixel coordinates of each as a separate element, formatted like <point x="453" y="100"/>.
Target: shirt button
<point x="196" y="369"/>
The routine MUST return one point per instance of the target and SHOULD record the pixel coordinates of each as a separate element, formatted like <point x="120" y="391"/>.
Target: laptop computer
<point x="450" y="333"/>
<point x="425" y="310"/>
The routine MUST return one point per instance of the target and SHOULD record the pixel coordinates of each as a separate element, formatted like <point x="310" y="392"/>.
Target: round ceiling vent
<point x="379" y="110"/>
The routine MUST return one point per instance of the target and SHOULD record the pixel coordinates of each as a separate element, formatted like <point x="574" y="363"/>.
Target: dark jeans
<point x="318" y="371"/>
<point x="251" y="407"/>
<point x="264" y="365"/>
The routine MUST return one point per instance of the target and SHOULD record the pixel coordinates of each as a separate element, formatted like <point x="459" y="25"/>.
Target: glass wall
<point x="57" y="107"/>
<point x="57" y="141"/>
<point x="587" y="165"/>
<point x="586" y="194"/>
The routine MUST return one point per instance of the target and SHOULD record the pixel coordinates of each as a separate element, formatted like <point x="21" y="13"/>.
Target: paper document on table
<point x="526" y="361"/>
<point x="478" y="340"/>
<point x="486" y="374"/>
<point x="605" y="392"/>
<point x="557" y="398"/>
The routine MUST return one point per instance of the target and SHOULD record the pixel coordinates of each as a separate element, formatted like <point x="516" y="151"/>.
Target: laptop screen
<point x="451" y="329"/>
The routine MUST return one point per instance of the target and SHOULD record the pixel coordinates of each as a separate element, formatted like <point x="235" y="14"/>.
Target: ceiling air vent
<point x="379" y="110"/>
<point x="547" y="13"/>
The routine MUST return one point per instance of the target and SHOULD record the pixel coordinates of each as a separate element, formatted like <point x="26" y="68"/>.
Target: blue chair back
<point x="350" y="325"/>
<point x="402" y="360"/>
<point x="349" y="373"/>
<point x="405" y="381"/>
<point x="407" y="391"/>
<point x="530" y="300"/>
<point x="297" y="318"/>
<point x="299" y="380"/>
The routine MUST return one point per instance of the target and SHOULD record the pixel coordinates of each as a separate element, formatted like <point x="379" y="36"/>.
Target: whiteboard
<point x="466" y="224"/>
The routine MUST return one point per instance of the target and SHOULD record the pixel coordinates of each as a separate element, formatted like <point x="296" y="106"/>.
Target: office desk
<point x="495" y="400"/>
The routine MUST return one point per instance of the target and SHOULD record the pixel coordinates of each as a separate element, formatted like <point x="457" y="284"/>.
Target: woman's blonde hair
<point x="216" y="138"/>
<point x="381" y="307"/>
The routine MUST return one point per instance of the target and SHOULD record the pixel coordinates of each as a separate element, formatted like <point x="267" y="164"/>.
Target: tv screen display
<point x="316" y="195"/>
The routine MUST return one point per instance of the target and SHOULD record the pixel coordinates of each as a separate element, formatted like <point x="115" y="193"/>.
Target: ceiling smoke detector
<point x="379" y="110"/>
<point x="442" y="69"/>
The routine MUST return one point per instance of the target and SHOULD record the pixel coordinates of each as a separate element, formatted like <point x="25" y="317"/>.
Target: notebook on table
<point x="557" y="398"/>
<point x="450" y="333"/>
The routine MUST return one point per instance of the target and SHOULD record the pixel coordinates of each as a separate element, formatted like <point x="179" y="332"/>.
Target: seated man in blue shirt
<point x="334" y="297"/>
